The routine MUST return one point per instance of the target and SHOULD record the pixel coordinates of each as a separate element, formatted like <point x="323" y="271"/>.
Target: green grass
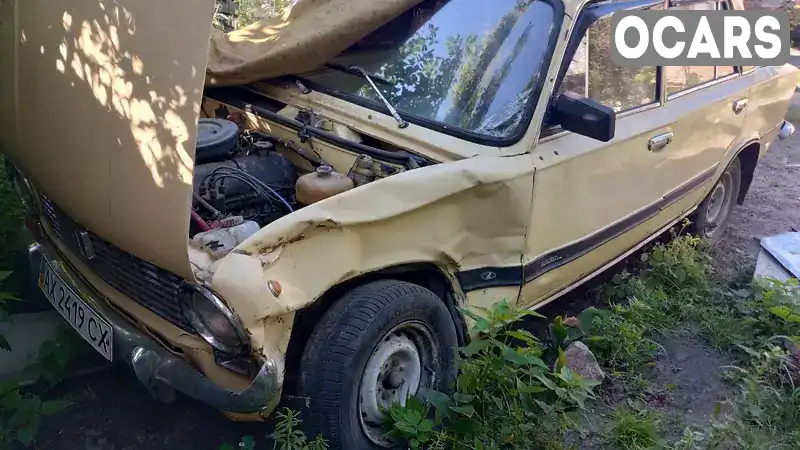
<point x="635" y="430"/>
<point x="11" y="220"/>
<point x="671" y="292"/>
<point x="662" y="293"/>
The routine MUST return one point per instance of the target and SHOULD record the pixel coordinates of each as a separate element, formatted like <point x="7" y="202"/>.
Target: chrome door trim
<point x="739" y="105"/>
<point x="658" y="142"/>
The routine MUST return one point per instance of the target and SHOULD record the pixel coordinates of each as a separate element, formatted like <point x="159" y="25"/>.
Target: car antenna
<point x="400" y="121"/>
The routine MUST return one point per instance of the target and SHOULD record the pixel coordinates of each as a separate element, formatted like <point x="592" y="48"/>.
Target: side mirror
<point x="584" y="116"/>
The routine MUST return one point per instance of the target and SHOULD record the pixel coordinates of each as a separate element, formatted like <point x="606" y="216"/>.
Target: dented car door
<point x="588" y="193"/>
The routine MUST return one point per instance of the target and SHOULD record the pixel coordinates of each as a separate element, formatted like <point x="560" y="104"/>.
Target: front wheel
<point x="713" y="214"/>
<point x="377" y="345"/>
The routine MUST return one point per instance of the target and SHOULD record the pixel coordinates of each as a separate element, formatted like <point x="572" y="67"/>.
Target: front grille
<point x="149" y="285"/>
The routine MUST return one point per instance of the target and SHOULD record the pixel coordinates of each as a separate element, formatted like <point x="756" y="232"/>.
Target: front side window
<point x="468" y="64"/>
<point x="593" y="75"/>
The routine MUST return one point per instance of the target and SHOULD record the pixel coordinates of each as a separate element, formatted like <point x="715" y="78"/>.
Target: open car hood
<point x="308" y="34"/>
<point x="99" y="103"/>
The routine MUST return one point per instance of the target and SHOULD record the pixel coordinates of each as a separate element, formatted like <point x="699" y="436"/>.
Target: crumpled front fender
<point x="460" y="215"/>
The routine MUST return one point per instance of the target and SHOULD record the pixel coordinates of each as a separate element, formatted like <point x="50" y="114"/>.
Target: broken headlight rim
<point x="212" y="319"/>
<point x="24" y="190"/>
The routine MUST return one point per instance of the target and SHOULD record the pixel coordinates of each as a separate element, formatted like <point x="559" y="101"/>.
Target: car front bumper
<point x="157" y="368"/>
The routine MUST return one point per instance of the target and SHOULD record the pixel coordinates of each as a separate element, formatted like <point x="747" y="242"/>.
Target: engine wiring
<point x="215" y="214"/>
<point x="268" y="193"/>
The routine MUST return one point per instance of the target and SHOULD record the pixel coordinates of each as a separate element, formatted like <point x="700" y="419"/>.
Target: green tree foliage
<point x="235" y="14"/>
<point x="21" y="412"/>
<point x="460" y="85"/>
<point x="470" y="99"/>
<point x="11" y="219"/>
<point x="421" y="79"/>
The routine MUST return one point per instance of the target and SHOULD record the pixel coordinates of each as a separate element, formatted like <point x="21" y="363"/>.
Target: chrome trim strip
<point x="185" y="298"/>
<point x="639" y="109"/>
<point x="707" y="84"/>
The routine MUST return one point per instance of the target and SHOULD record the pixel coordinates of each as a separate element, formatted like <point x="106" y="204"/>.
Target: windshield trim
<point x="462" y="133"/>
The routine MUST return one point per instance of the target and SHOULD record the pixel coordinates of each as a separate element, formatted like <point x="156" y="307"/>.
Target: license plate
<point x="91" y="326"/>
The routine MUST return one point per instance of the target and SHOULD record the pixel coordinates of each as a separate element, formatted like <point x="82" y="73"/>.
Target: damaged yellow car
<point x="298" y="208"/>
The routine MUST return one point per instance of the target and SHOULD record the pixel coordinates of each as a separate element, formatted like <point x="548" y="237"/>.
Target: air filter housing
<point x="217" y="140"/>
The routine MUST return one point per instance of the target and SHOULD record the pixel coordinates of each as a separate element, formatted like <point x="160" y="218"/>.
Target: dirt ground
<point x="771" y="207"/>
<point x="685" y="387"/>
<point x="112" y="411"/>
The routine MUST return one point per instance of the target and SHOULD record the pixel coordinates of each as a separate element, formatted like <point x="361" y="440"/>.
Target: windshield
<point x="469" y="64"/>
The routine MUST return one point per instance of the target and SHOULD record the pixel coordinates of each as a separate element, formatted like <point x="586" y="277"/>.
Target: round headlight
<point x="212" y="319"/>
<point x="23" y="189"/>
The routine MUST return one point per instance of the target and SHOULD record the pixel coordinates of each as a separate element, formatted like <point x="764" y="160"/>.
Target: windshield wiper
<point x="357" y="71"/>
<point x="400" y="121"/>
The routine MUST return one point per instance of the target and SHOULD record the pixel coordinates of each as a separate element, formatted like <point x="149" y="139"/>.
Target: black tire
<point x="711" y="218"/>
<point x="348" y="336"/>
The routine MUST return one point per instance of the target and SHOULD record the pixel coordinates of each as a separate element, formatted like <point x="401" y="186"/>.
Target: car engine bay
<point x="240" y="174"/>
<point x="246" y="179"/>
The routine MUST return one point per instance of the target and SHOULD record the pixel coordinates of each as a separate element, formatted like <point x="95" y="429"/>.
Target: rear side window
<point x="681" y="78"/>
<point x="592" y="73"/>
<point x="724" y="71"/>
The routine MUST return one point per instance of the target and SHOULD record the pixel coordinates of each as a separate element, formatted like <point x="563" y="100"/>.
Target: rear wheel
<point x="378" y="344"/>
<point x="713" y="214"/>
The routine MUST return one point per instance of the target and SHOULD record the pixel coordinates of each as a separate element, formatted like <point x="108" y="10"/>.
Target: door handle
<point x="656" y="143"/>
<point x="739" y="105"/>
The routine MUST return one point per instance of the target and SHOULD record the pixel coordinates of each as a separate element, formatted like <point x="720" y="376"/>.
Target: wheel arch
<point x="748" y="156"/>
<point x="425" y="274"/>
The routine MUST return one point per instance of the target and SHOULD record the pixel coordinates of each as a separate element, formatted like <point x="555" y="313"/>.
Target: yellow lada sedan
<point x="299" y="208"/>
